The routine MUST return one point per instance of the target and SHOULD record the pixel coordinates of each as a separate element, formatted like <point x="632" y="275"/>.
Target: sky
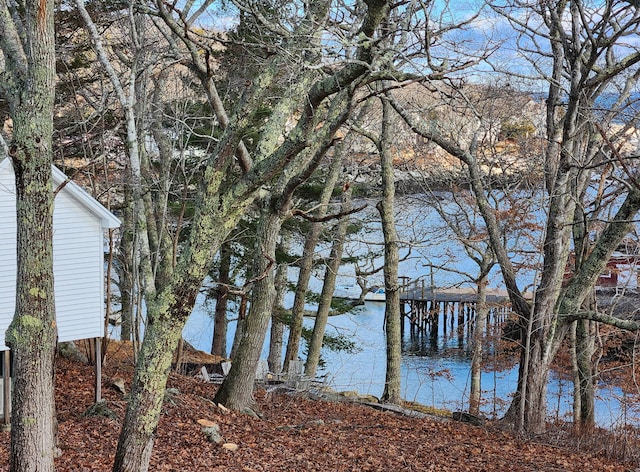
<point x="487" y="29"/>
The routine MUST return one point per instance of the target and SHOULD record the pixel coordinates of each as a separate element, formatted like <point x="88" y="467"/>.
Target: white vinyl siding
<point x="7" y="252"/>
<point x="77" y="268"/>
<point x="78" y="260"/>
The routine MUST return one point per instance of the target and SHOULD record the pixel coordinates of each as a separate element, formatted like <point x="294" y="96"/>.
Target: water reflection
<point x="433" y="346"/>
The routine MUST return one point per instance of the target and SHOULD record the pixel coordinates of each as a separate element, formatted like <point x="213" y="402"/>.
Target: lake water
<point x="433" y="380"/>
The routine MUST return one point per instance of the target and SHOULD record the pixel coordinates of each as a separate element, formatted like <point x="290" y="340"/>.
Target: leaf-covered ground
<point x="294" y="434"/>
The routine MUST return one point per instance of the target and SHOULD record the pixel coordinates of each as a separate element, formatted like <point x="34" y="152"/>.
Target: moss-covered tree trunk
<point x="28" y="85"/>
<point x="166" y="315"/>
<point x="143" y="411"/>
<point x="584" y="398"/>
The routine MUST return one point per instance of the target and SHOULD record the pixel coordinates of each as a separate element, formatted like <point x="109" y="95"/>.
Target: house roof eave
<point x="107" y="219"/>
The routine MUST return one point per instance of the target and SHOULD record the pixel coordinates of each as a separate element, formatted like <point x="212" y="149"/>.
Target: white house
<point x="79" y="224"/>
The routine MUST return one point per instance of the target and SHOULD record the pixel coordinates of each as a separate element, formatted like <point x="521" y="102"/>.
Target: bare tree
<point x="580" y="70"/>
<point x="391" y="260"/>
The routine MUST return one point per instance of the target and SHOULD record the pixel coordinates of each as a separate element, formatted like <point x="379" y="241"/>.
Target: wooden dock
<point x="427" y="308"/>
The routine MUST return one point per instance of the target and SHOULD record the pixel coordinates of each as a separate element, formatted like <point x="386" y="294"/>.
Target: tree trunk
<point x="475" y="395"/>
<point x="236" y="392"/>
<point x="328" y="287"/>
<point x="545" y="331"/>
<point x="167" y="314"/>
<point x="141" y="419"/>
<point x="584" y="414"/>
<point x="392" y="318"/>
<point x="125" y="270"/>
<point x="528" y="409"/>
<point x="219" y="341"/>
<point x="240" y="326"/>
<point x="582" y="336"/>
<point x="534" y="407"/>
<point x="28" y="84"/>
<point x="577" y="408"/>
<point x="32" y="334"/>
<point x="306" y="263"/>
<point x="276" y="341"/>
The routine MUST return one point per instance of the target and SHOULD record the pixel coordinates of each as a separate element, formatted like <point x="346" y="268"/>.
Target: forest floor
<point x="298" y="434"/>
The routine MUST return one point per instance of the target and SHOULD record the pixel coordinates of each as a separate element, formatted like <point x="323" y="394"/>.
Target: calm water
<point x="433" y="379"/>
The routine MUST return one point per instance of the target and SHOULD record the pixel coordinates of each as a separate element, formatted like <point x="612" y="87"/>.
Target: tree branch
<point x="334" y="216"/>
<point x="13" y="49"/>
<point x="629" y="325"/>
<point x="202" y="70"/>
<point x="597" y="260"/>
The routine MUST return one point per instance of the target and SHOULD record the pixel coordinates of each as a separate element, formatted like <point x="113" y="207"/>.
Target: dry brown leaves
<point x="294" y="434"/>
